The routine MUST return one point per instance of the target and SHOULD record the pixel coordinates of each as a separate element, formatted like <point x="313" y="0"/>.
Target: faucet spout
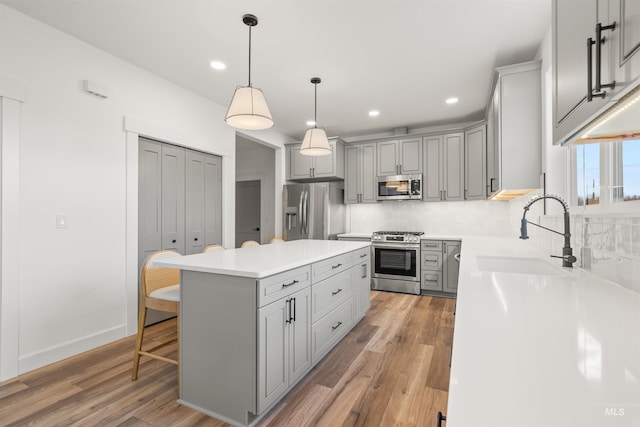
<point x="567" y="252"/>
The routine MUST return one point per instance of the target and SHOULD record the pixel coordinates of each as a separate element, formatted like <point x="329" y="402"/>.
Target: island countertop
<point x="262" y="261"/>
<point x="533" y="349"/>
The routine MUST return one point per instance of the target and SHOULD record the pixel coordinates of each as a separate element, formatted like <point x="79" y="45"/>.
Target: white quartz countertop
<point x="555" y="349"/>
<point x="264" y="260"/>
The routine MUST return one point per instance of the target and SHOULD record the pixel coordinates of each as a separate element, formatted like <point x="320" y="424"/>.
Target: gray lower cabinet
<point x="284" y="351"/>
<point x="361" y="280"/>
<point x="439" y="266"/>
<point x="450" y="266"/>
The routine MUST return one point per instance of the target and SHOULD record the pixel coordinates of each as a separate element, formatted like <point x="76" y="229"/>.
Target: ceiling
<point x="401" y="57"/>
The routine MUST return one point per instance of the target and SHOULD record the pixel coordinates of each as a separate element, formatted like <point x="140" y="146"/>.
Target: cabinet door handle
<point x="336" y="292"/>
<point x="364" y="271"/>
<point x="590" y="43"/>
<point x="491" y="190"/>
<point x="333" y="328"/>
<point x="285" y="285"/>
<point x="333" y="267"/>
<point x="599" y="42"/>
<point x="195" y="239"/>
<point x="173" y="241"/>
<point x="288" y="302"/>
<point x="294" y="308"/>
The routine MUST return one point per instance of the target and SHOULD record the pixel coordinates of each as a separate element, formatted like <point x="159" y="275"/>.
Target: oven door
<point x="396" y="261"/>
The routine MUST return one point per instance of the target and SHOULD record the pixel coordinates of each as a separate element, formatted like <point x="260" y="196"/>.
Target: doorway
<point x="248" y="211"/>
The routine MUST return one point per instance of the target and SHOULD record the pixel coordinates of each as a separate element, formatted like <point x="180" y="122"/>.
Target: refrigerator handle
<point x="301" y="212"/>
<point x="303" y="204"/>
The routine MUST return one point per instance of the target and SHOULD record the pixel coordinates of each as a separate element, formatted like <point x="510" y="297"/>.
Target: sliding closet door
<point x="150" y="199"/>
<point x="213" y="200"/>
<point x="194" y="198"/>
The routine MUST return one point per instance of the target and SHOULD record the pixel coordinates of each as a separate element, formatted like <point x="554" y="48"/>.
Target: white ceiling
<point x="401" y="57"/>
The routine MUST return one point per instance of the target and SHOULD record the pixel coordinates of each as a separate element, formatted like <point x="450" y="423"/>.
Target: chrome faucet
<point x="567" y="253"/>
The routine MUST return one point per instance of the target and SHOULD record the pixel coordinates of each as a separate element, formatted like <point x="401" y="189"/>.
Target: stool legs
<point x="136" y="355"/>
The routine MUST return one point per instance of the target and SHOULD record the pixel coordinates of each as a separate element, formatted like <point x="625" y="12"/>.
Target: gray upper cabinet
<point x="574" y="22"/>
<point x="444" y="167"/>
<point x="514" y="131"/>
<point x="360" y="173"/>
<point x="432" y="184"/>
<point x="475" y="163"/>
<point x="626" y="13"/>
<point x="316" y="168"/>
<point x="399" y="157"/>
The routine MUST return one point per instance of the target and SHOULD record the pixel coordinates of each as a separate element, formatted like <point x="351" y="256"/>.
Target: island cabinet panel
<point x="327" y="268"/>
<point x="328" y="331"/>
<point x="245" y="342"/>
<point x="275" y="287"/>
<point x="330" y="293"/>
<point x="284" y="352"/>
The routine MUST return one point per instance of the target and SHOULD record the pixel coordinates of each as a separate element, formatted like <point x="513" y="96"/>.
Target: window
<point x="631" y="170"/>
<point x="606" y="173"/>
<point x="587" y="174"/>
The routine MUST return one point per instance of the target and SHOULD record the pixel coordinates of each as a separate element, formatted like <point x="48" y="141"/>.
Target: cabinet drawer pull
<point x="285" y="285"/>
<point x="336" y="292"/>
<point x="363" y="255"/>
<point x="431" y="245"/>
<point x="333" y="328"/>
<point x="430" y="260"/>
<point x="430" y="280"/>
<point x="336" y="266"/>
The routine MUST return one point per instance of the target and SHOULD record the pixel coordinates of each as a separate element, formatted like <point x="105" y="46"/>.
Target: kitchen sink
<point x="518" y="265"/>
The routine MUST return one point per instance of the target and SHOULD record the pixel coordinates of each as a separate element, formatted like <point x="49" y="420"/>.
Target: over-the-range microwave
<point x="399" y="187"/>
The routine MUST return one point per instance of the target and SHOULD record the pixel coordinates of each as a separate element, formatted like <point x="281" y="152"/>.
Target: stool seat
<point x="170" y="293"/>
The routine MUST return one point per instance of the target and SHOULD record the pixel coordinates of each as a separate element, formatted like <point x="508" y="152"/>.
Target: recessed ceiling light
<point x="451" y="100"/>
<point x="311" y="123"/>
<point x="374" y="113"/>
<point x="217" y="65"/>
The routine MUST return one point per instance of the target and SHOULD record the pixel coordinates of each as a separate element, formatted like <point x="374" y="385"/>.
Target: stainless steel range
<point x="396" y="265"/>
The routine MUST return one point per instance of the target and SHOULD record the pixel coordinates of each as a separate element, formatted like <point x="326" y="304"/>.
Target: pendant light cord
<point x="249" y="55"/>
<point x="315" y="108"/>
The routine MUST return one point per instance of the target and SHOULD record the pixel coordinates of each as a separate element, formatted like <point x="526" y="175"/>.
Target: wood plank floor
<point x="392" y="369"/>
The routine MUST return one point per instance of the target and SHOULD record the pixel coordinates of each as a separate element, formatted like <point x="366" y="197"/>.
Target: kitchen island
<point x="254" y="321"/>
<point x="536" y="344"/>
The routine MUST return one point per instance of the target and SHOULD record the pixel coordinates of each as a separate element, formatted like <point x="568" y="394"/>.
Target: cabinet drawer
<point x="361" y="254"/>
<point x="330" y="329"/>
<point x="330" y="293"/>
<point x="432" y="260"/>
<point x="431" y="245"/>
<point x="327" y="268"/>
<point x="275" y="287"/>
<point x="431" y="280"/>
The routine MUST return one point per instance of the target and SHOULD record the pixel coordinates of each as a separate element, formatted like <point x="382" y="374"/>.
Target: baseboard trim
<point x="38" y="359"/>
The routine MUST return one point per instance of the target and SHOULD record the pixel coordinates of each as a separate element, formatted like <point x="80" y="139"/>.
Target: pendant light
<point x="315" y="142"/>
<point x="248" y="109"/>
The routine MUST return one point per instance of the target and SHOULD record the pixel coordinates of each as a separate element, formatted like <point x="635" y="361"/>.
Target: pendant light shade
<point x="248" y="109"/>
<point x="315" y="142"/>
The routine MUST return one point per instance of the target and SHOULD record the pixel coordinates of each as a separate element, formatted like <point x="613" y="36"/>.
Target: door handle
<point x="173" y="241"/>
<point x="195" y="239"/>
<point x="255" y="229"/>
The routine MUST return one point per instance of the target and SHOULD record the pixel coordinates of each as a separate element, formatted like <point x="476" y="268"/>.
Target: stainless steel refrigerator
<point x="314" y="211"/>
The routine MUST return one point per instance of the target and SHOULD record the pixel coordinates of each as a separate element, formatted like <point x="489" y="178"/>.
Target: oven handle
<point x="396" y="245"/>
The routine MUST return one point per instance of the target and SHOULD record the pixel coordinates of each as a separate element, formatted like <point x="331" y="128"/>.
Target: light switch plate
<point x="61" y="221"/>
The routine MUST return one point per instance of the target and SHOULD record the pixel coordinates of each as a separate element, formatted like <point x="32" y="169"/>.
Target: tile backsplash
<point x="607" y="245"/>
<point x="443" y="218"/>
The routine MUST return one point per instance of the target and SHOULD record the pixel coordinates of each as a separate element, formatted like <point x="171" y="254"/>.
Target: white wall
<point x="77" y="287"/>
